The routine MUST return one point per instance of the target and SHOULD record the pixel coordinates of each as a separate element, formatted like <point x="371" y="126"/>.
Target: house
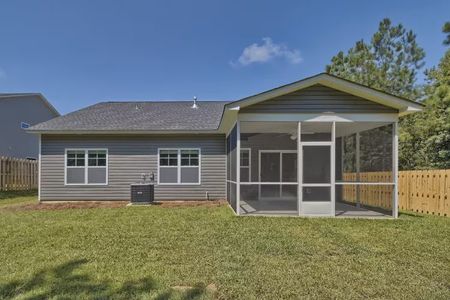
<point x="17" y="113"/>
<point x="298" y="149"/>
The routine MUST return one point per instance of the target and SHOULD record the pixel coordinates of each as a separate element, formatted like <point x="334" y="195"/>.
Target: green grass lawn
<point x="144" y="252"/>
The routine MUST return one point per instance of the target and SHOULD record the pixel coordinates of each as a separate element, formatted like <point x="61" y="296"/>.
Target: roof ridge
<point x="162" y="101"/>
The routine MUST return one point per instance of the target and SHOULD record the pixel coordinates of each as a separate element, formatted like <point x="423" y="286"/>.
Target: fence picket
<point x="424" y="191"/>
<point x="17" y="174"/>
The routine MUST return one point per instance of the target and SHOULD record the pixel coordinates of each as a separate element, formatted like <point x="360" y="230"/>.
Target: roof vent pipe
<point x="195" y="103"/>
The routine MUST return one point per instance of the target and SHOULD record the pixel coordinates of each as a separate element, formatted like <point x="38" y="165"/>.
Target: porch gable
<point x="318" y="99"/>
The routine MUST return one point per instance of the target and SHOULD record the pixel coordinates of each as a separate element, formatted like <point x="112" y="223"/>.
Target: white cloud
<point x="266" y="51"/>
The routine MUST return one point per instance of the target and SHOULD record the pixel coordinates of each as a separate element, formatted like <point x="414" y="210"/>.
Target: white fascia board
<point x="315" y="117"/>
<point x="229" y="118"/>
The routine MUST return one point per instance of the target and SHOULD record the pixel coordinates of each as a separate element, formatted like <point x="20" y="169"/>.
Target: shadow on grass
<point x="410" y="214"/>
<point x="196" y="292"/>
<point x="15" y="194"/>
<point x="66" y="282"/>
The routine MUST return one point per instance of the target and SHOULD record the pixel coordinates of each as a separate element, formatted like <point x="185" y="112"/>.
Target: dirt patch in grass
<point x="68" y="205"/>
<point x="108" y="204"/>
<point x="191" y="203"/>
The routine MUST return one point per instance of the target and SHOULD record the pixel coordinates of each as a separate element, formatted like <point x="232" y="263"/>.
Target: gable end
<point x="318" y="99"/>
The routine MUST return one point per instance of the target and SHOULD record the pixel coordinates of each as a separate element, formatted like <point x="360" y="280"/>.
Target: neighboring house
<point x="18" y="112"/>
<point x="298" y="149"/>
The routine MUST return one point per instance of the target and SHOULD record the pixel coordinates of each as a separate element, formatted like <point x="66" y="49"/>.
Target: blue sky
<point x="78" y="53"/>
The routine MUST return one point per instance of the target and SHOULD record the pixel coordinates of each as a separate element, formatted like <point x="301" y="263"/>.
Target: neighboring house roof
<point x="179" y="116"/>
<point x="10" y="96"/>
<point x="139" y="116"/>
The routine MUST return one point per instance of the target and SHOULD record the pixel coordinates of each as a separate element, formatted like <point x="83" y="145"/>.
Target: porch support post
<point x="341" y="188"/>
<point x="39" y="167"/>
<point x="333" y="169"/>
<point x="358" y="169"/>
<point x="342" y="158"/>
<point x="299" y="169"/>
<point x="238" y="168"/>
<point x="395" y="169"/>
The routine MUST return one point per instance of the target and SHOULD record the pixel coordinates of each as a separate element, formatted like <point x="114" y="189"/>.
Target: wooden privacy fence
<point x="370" y="195"/>
<point x="425" y="191"/>
<point x="18" y="174"/>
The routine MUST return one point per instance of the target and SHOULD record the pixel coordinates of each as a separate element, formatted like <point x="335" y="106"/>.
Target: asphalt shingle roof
<point x="139" y="116"/>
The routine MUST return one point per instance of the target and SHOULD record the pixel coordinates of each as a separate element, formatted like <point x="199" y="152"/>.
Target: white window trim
<point x="179" y="166"/>
<point x="249" y="167"/>
<point x="86" y="167"/>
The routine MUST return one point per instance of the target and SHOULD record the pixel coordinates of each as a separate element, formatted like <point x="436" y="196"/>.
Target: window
<point x="168" y="158"/>
<point x="189" y="158"/>
<point x="179" y="166"/>
<point x="86" y="166"/>
<point x="24" y="125"/>
<point x="245" y="164"/>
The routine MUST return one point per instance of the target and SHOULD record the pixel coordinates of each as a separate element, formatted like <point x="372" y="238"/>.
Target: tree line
<point x="391" y="61"/>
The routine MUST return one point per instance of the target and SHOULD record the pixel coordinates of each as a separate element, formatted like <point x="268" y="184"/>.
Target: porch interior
<point x="268" y="176"/>
<point x="289" y="208"/>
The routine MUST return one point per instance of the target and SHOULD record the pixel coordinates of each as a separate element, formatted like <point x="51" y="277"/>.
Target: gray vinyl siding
<point x="128" y="158"/>
<point x="15" y="141"/>
<point x="318" y="99"/>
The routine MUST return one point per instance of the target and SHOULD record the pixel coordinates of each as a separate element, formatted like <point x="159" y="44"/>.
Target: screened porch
<point x="312" y="168"/>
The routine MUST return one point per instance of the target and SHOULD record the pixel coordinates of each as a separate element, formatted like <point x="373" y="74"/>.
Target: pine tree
<point x="446" y="30"/>
<point x="390" y="62"/>
<point x="435" y="121"/>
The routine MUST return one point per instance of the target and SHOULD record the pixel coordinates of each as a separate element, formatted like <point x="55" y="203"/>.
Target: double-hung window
<point x="86" y="167"/>
<point x="179" y="166"/>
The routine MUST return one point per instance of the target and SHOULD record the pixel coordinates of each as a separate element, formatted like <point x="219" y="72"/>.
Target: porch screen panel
<point x="348" y="154"/>
<point x="249" y="192"/>
<point x="289" y="174"/>
<point x="316" y="193"/>
<point x="316" y="164"/>
<point x="367" y="177"/>
<point x="270" y="167"/>
<point x="289" y="167"/>
<point x="231" y="168"/>
<point x="316" y="131"/>
<point x="376" y="198"/>
<point x="376" y="154"/>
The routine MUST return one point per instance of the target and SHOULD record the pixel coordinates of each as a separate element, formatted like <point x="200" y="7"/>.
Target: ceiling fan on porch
<point x="293" y="134"/>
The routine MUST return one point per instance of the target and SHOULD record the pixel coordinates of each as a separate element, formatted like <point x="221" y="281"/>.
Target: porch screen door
<point x="316" y="182"/>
